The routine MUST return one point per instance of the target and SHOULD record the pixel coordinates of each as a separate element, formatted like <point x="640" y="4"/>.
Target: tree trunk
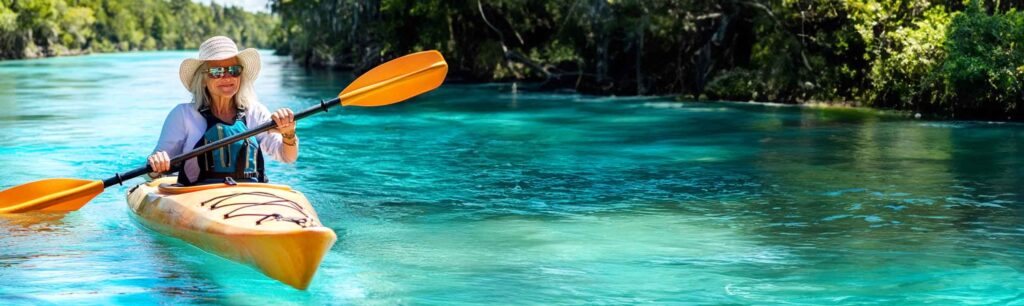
<point x="598" y="13"/>
<point x="640" y="30"/>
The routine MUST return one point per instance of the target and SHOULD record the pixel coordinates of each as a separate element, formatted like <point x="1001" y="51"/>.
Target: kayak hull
<point x="271" y="228"/>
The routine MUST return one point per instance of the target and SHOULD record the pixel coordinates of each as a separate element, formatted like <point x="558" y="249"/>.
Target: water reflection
<point x="30" y="223"/>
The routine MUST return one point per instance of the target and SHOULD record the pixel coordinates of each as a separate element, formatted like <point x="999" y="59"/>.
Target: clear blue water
<point x="476" y="194"/>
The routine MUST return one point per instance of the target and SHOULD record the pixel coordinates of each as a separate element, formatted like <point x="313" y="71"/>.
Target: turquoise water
<point x="476" y="194"/>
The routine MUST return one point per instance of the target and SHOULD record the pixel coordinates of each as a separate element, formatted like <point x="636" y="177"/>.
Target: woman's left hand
<point x="285" y="120"/>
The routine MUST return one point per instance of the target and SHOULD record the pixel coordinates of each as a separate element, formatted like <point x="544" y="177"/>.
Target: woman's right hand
<point x="160" y="162"/>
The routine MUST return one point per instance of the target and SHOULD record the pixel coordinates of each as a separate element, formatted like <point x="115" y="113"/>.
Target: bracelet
<point x="288" y="136"/>
<point x="286" y="141"/>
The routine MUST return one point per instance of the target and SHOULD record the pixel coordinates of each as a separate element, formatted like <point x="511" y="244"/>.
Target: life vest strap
<point x="241" y="160"/>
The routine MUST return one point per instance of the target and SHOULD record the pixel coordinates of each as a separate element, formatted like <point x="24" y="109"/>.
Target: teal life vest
<point x="240" y="161"/>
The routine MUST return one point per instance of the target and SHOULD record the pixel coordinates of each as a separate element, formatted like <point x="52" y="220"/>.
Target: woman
<point x="223" y="104"/>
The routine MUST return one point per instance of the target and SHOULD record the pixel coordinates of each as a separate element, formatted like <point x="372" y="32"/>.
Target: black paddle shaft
<point x="121" y="177"/>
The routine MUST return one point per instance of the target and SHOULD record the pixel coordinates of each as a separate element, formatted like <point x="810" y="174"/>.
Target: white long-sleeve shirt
<point x="184" y="127"/>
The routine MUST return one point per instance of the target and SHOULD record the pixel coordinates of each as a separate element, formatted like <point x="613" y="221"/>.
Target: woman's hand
<point x="160" y="162"/>
<point x="285" y="120"/>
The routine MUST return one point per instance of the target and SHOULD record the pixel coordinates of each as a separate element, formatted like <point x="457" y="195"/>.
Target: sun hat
<point x="218" y="48"/>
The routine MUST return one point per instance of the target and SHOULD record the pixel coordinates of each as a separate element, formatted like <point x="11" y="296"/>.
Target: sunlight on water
<point x="473" y="194"/>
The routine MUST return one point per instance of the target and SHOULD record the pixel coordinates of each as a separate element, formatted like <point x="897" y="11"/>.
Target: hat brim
<point x="249" y="59"/>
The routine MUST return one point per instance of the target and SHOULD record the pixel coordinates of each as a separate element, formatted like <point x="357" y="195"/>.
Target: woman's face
<point x="227" y="85"/>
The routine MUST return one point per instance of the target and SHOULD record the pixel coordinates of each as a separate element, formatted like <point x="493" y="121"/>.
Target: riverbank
<point x="953" y="60"/>
<point x="36" y="28"/>
<point x="36" y="53"/>
<point x="849" y="107"/>
<point x="538" y="87"/>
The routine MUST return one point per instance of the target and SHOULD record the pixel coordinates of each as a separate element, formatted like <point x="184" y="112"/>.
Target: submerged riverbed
<point x="475" y="194"/>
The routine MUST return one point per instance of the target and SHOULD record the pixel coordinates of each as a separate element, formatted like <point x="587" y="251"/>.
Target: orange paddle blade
<point x="49" y="195"/>
<point x="397" y="80"/>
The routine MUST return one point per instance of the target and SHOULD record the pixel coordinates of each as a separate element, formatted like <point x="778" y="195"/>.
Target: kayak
<point x="271" y="228"/>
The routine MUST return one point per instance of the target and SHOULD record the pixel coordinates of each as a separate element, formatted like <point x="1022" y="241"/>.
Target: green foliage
<point x="955" y="58"/>
<point x="931" y="59"/>
<point x="8" y="30"/>
<point x="985" y="65"/>
<point x="609" y="46"/>
<point x="906" y="57"/>
<point x="77" y="25"/>
<point x="31" y="28"/>
<point x="740" y="85"/>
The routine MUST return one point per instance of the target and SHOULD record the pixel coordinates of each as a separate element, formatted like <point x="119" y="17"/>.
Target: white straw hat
<point x="218" y="48"/>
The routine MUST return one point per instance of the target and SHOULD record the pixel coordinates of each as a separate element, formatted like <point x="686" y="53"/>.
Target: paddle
<point x="389" y="83"/>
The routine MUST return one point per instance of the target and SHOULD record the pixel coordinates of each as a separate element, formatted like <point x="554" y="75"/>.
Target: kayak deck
<point x="269" y="227"/>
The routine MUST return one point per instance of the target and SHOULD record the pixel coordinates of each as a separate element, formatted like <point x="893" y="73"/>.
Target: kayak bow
<point x="271" y="228"/>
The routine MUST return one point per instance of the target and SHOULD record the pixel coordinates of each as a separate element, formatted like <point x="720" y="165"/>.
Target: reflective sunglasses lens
<point x="217" y="72"/>
<point x="235" y="70"/>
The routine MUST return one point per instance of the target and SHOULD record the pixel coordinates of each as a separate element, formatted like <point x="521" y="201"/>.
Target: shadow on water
<point x="31" y="118"/>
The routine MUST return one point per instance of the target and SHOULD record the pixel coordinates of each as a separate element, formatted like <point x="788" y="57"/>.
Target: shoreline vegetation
<point x="46" y="28"/>
<point x="959" y="59"/>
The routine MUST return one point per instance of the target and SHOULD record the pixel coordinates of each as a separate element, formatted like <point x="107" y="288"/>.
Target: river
<point x="481" y="194"/>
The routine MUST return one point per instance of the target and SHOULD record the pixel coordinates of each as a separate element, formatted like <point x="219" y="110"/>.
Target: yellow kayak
<point x="271" y="228"/>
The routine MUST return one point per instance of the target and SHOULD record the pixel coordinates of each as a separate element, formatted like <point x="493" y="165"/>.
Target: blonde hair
<point x="201" y="97"/>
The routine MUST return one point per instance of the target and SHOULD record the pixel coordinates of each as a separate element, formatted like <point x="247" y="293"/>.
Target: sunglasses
<point x="220" y="72"/>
